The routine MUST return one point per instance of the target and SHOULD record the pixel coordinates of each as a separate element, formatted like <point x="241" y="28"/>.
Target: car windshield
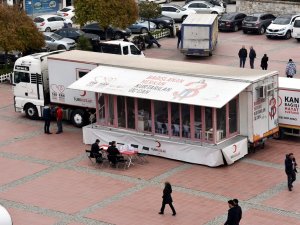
<point x="38" y="20"/>
<point x="56" y="37"/>
<point x="282" y="20"/>
<point x="79" y="32"/>
<point x="251" y="18"/>
<point x="179" y="8"/>
<point x="65" y="10"/>
<point x="297" y="23"/>
<point x="209" y="4"/>
<point x="227" y="17"/>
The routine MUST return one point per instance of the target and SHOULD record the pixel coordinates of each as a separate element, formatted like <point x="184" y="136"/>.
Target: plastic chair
<point x="143" y="154"/>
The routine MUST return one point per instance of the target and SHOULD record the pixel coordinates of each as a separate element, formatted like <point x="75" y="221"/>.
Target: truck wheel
<point x="79" y="118"/>
<point x="31" y="111"/>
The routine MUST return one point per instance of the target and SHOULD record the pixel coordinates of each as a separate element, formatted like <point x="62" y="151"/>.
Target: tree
<point x="18" y="31"/>
<point x="84" y="44"/>
<point x="116" y="13"/>
<point x="149" y="10"/>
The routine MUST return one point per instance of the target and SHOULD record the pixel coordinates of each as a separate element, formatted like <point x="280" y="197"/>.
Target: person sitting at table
<point x="113" y="154"/>
<point x="95" y="151"/>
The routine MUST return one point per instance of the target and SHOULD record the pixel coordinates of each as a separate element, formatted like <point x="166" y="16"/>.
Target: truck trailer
<point x="199" y="34"/>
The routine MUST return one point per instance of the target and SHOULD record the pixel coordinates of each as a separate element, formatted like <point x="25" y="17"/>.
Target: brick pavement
<point x="47" y="179"/>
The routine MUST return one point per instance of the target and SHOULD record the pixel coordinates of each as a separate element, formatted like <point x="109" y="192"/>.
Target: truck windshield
<point x="21" y="77"/>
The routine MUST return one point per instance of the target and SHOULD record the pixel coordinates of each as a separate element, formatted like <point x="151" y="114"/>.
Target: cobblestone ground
<point x="47" y="179"/>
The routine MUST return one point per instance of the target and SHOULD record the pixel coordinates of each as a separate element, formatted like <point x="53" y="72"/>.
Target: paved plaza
<point x="48" y="180"/>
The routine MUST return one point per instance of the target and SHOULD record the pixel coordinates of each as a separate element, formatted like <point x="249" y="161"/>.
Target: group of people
<point x="48" y="113"/>
<point x="243" y="54"/>
<point x="113" y="154"/>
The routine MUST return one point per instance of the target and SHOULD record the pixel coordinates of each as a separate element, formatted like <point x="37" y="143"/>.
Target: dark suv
<point x="257" y="22"/>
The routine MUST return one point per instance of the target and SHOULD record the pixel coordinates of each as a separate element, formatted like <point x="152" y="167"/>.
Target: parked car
<point x="67" y="12"/>
<point x="142" y="27"/>
<point x="204" y="7"/>
<point x="5" y="218"/>
<point x="162" y="21"/>
<point x="75" y="34"/>
<point x="156" y="1"/>
<point x="50" y="23"/>
<point x="296" y="29"/>
<point x="12" y="56"/>
<point x="57" y="42"/>
<point x="120" y="48"/>
<point x="112" y="32"/>
<point x="282" y="26"/>
<point x="213" y="2"/>
<point x="257" y="22"/>
<point x="231" y="21"/>
<point x="176" y="12"/>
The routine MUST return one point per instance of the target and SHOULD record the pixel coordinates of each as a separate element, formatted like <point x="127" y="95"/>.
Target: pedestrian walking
<point x="178" y="35"/>
<point x="150" y="40"/>
<point x="290" y="169"/>
<point x="252" y="56"/>
<point x="232" y="217"/>
<point x="167" y="199"/>
<point x="290" y="69"/>
<point x="238" y="209"/>
<point x="264" y="62"/>
<point x="243" y="56"/>
<point x="47" y="119"/>
<point x="59" y="116"/>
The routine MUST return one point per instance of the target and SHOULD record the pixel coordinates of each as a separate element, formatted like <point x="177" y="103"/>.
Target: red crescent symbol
<point x="280" y="101"/>
<point x="158" y="144"/>
<point x="235" y="148"/>
<point x="83" y="93"/>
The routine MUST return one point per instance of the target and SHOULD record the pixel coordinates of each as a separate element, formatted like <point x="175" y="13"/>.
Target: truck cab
<point x="121" y="48"/>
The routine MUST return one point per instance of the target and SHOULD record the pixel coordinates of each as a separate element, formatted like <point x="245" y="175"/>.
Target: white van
<point x="296" y="29"/>
<point x="120" y="48"/>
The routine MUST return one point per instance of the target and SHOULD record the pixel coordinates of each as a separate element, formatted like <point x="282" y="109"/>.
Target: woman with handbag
<point x="167" y="199"/>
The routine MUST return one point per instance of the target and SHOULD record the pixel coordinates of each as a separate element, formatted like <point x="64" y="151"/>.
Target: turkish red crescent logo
<point x="83" y="93"/>
<point x="280" y="101"/>
<point x="159" y="144"/>
<point x="235" y="148"/>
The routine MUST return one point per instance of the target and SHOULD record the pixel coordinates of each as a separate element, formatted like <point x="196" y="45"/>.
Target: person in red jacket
<point x="59" y="116"/>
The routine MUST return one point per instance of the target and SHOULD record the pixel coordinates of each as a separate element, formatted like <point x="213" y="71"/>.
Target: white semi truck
<point x="39" y="80"/>
<point x="288" y="106"/>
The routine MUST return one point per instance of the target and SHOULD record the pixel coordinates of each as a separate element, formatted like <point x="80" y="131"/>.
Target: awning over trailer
<point x="182" y="89"/>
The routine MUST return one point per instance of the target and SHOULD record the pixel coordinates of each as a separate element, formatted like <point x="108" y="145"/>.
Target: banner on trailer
<point x="168" y="149"/>
<point x="235" y="151"/>
<point x="289" y="102"/>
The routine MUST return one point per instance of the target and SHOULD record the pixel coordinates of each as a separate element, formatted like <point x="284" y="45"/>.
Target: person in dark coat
<point x="47" y="119"/>
<point x="290" y="169"/>
<point x="178" y="35"/>
<point x="96" y="151"/>
<point x="243" y="56"/>
<point x="150" y="40"/>
<point x="167" y="199"/>
<point x="233" y="217"/>
<point x="264" y="62"/>
<point x="252" y="56"/>
<point x="238" y="209"/>
<point x="113" y="154"/>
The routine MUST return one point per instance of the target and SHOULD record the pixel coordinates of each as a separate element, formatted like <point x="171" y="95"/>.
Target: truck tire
<point x="79" y="118"/>
<point x="31" y="111"/>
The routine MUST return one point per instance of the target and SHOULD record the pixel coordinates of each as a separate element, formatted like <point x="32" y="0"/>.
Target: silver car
<point x="204" y="7"/>
<point x="57" y="42"/>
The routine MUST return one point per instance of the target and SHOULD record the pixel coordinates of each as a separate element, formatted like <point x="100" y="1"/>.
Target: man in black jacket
<point x="290" y="169"/>
<point x="252" y="56"/>
<point x="47" y="119"/>
<point x="238" y="209"/>
<point x="233" y="217"/>
<point x="243" y="56"/>
<point x="95" y="151"/>
<point x="113" y="154"/>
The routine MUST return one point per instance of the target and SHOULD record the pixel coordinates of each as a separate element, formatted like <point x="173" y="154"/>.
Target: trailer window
<point x="21" y="77"/>
<point x="144" y="115"/>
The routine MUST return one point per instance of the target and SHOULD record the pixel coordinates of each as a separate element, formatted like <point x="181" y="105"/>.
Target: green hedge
<point x="4" y="70"/>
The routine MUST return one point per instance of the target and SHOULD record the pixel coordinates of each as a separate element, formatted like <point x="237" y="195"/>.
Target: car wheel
<point x="184" y="17"/>
<point x="61" y="47"/>
<point x="48" y="29"/>
<point x="262" y="30"/>
<point x="214" y="12"/>
<point x="79" y="118"/>
<point x="117" y="36"/>
<point x="31" y="111"/>
<point x="160" y="25"/>
<point x="287" y="35"/>
<point x="144" y="30"/>
<point x="245" y="31"/>
<point x="236" y="28"/>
